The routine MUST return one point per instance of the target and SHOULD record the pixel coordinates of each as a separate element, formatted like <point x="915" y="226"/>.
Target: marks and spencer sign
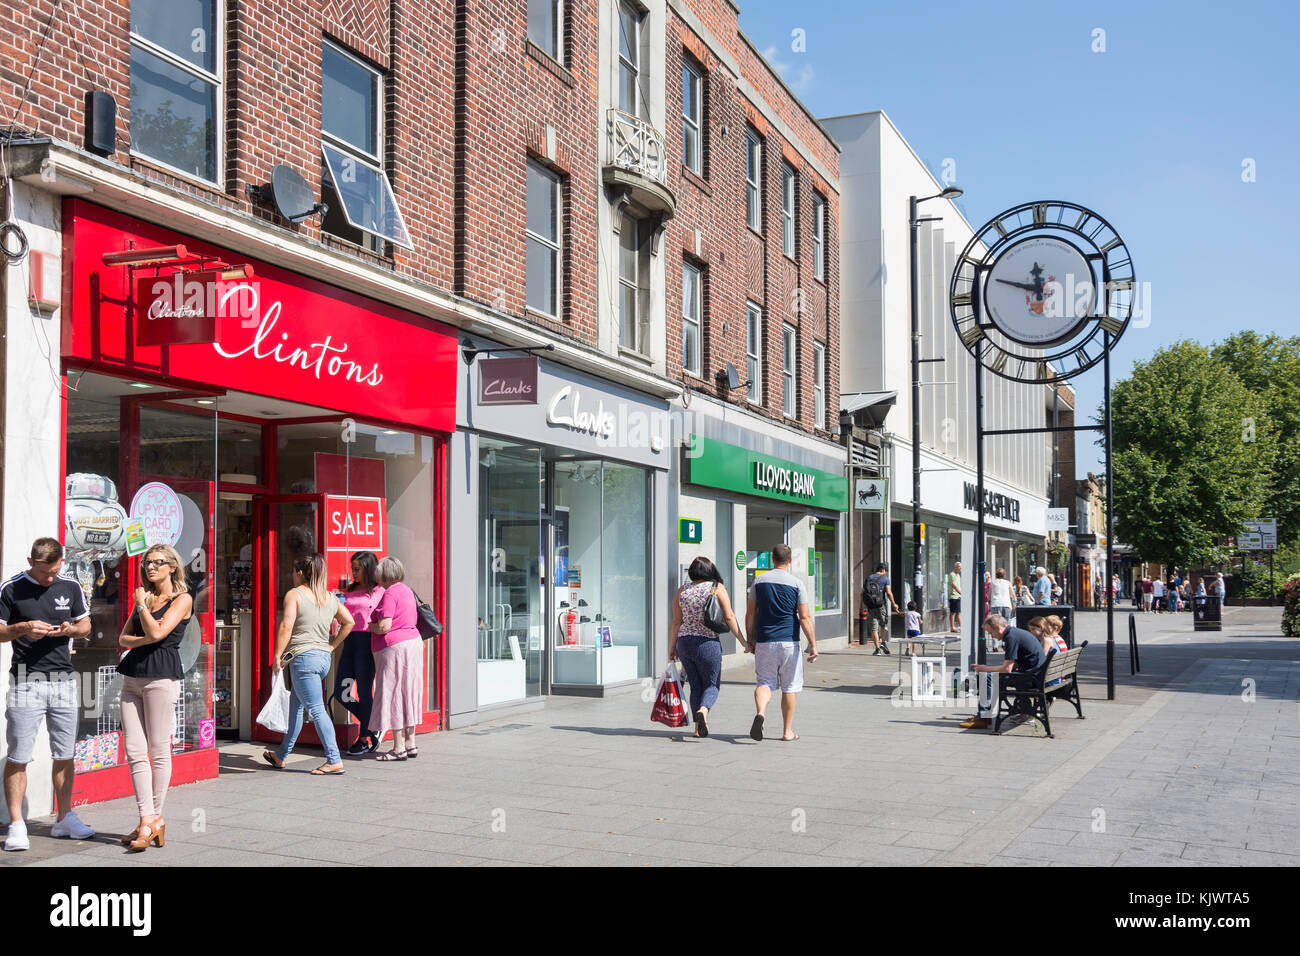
<point x="995" y="505"/>
<point x="720" y="465"/>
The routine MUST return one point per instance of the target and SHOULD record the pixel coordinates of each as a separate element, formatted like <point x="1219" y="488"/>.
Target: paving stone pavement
<point x="1196" y="762"/>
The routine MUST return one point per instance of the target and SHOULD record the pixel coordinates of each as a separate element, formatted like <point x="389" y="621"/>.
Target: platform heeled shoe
<point x="156" y="835"/>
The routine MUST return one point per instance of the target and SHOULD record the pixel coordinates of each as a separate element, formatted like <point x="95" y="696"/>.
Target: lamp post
<point x="918" y="581"/>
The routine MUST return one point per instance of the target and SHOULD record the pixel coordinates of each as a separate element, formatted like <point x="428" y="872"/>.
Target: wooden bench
<point x="1028" y="693"/>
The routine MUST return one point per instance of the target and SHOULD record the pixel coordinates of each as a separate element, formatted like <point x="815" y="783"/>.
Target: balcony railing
<point x="637" y="146"/>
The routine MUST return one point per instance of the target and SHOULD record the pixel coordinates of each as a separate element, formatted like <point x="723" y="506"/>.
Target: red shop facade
<point x="246" y="415"/>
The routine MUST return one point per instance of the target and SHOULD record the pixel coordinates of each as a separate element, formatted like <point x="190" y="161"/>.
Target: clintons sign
<point x="277" y="333"/>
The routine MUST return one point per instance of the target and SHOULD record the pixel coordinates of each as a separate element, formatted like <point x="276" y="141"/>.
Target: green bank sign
<point x="717" y="464"/>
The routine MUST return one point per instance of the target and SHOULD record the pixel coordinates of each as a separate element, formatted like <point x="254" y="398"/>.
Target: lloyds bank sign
<point x="717" y="464"/>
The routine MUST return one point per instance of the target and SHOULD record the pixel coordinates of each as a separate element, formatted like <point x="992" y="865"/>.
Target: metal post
<point x="918" y="567"/>
<point x="1272" y="590"/>
<point x="1110" y="534"/>
<point x="977" y="593"/>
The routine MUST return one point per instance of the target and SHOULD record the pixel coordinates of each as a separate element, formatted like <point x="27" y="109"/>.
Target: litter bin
<point x="1207" y="613"/>
<point x="1064" y="611"/>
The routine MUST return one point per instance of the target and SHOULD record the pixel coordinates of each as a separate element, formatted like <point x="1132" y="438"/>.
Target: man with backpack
<point x="875" y="592"/>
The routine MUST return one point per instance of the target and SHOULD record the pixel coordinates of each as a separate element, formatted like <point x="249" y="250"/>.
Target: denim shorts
<point x="27" y="704"/>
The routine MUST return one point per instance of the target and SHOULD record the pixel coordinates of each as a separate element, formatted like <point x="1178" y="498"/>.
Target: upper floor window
<point x="362" y="208"/>
<point x="630" y="98"/>
<point x="176" y="84"/>
<point x="819" y="236"/>
<point x="789" y="358"/>
<point x="692" y="118"/>
<point x="542" y="239"/>
<point x="633" y="281"/>
<point x="546" y="26"/>
<point x="753" y="349"/>
<point x="819" y="385"/>
<point x="692" y="301"/>
<point x="753" y="179"/>
<point x="787" y="209"/>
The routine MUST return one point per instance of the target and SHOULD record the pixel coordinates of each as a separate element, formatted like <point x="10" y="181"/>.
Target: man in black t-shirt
<point x="1024" y="653"/>
<point x="40" y="614"/>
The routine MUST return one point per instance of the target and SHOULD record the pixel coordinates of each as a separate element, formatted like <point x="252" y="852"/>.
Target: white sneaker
<point x="71" y="826"/>
<point x="17" y="838"/>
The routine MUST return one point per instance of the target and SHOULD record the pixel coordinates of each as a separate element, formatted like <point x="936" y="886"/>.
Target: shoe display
<point x="71" y="826"/>
<point x="17" y="838"/>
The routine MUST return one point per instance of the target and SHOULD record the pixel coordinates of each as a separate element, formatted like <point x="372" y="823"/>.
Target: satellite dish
<point x="731" y="377"/>
<point x="290" y="193"/>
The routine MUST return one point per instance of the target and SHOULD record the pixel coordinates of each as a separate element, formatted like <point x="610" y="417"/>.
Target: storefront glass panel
<point x="826" y="566"/>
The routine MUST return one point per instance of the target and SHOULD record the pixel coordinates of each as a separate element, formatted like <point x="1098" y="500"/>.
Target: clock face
<point x="1042" y="291"/>
<point x="1039" y="291"/>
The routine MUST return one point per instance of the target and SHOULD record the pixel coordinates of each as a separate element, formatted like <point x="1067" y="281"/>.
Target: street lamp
<point x="918" y="582"/>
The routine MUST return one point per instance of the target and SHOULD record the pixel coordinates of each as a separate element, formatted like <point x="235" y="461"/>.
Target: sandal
<point x="412" y="752"/>
<point x="322" y="772"/>
<point x="392" y="755"/>
<point x="272" y="759"/>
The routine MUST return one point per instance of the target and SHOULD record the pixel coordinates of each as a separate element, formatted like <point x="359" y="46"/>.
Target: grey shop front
<point x="558" y="482"/>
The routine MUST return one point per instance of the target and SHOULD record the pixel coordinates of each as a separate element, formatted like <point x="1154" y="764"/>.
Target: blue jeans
<point x="308" y="671"/>
<point x="702" y="658"/>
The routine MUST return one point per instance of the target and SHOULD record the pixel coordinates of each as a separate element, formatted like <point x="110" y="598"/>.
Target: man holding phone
<point x="40" y="613"/>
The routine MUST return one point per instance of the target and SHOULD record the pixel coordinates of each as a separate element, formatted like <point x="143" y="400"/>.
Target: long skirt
<point x="399" y="683"/>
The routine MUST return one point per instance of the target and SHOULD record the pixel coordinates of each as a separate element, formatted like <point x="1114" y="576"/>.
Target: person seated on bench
<point x="1048" y="630"/>
<point x="1024" y="653"/>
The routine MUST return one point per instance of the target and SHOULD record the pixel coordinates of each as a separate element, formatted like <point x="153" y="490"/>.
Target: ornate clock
<point x="1042" y="291"/>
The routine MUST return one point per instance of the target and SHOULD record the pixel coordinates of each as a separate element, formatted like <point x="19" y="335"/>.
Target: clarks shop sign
<point x="995" y="505"/>
<point x="719" y="465"/>
<point x="507" y="381"/>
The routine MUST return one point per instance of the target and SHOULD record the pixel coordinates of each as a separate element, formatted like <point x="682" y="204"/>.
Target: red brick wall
<point x="739" y="264"/>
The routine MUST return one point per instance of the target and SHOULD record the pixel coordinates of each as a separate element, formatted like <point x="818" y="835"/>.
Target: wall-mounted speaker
<point x="101" y="123"/>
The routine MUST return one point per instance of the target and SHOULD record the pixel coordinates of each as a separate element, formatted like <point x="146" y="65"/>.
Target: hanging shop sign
<point x="159" y="511"/>
<point x="508" y="381"/>
<point x="717" y="464"/>
<point x="1058" y="519"/>
<point x="287" y="336"/>
<point x="870" y="494"/>
<point x="995" y="505"/>
<point x="186" y="308"/>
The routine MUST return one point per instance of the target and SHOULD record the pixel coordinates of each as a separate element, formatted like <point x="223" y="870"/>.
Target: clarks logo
<point x="76" y="909"/>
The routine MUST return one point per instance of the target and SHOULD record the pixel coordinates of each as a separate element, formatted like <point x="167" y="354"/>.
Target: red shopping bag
<point x="669" y="707"/>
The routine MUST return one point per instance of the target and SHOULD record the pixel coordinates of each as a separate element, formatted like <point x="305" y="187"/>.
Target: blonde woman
<point x="151" y="684"/>
<point x="399" y="659"/>
<point x="305" y="646"/>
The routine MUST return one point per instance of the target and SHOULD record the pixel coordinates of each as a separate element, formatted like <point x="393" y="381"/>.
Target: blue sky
<point x="1152" y="133"/>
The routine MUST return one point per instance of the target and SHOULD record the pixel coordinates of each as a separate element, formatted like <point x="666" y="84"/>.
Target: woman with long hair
<point x="354" y="680"/>
<point x="399" y="659"/>
<point x="303" y="644"/>
<point x="151" y="684"/>
<point x="695" y="644"/>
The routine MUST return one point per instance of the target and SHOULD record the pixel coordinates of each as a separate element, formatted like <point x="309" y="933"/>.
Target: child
<point x="1052" y="639"/>
<point x="913" y="624"/>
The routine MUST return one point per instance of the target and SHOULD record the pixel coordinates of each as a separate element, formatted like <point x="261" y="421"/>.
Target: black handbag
<point x="714" y="619"/>
<point x="426" y="622"/>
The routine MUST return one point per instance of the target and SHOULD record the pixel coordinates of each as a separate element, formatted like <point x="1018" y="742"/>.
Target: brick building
<point x="398" y="196"/>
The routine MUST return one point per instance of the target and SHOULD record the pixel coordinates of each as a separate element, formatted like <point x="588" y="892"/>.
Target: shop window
<point x="176" y="84"/>
<point x="753" y="181"/>
<point x="692" y="117"/>
<point x="546" y="26"/>
<point x="362" y="208"/>
<point x="825" y="568"/>
<point x="787" y="209"/>
<point x="753" y="349"/>
<point x="692" y="301"/>
<point x="543" y="240"/>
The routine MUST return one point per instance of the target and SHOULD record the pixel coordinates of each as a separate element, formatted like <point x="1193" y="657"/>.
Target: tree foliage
<point x="1187" y="473"/>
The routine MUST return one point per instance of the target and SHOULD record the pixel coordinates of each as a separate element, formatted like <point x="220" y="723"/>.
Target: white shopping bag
<point x="275" y="715"/>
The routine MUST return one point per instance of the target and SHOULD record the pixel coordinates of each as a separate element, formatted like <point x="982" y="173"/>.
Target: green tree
<point x="1184" y="477"/>
<point x="1270" y="367"/>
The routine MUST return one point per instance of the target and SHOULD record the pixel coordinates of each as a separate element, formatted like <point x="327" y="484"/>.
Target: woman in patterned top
<point x="695" y="644"/>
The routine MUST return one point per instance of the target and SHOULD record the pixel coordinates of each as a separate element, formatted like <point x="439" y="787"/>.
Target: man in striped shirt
<point x="779" y="608"/>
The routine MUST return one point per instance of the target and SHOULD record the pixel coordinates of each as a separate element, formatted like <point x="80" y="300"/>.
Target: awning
<point x="868" y="408"/>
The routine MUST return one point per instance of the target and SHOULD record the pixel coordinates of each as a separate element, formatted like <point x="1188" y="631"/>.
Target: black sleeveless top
<point x="162" y="659"/>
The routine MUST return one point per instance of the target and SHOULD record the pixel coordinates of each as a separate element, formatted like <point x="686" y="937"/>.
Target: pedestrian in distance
<point x="875" y="593"/>
<point x="1147" y="596"/>
<point x="399" y="659"/>
<point x="953" y="591"/>
<point x="1042" y="587"/>
<point x="151" y="684"/>
<point x="1158" y="594"/>
<point x="698" y="646"/>
<point x="354" y="679"/>
<point x="40" y="613"/>
<point x="779" y="607"/>
<point x="1024" y="597"/>
<point x="1001" y="599"/>
<point x="304" y="648"/>
<point x="912" y="624"/>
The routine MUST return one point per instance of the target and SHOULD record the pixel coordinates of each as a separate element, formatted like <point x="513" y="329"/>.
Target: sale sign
<point x="353" y="523"/>
<point x="158" y="509"/>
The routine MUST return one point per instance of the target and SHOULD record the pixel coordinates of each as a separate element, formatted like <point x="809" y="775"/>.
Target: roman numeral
<point x="1117" y="284"/>
<point x="1117" y="241"/>
<point x="1000" y="362"/>
<point x="961" y="298"/>
<point x="1040" y="213"/>
<point x="1083" y="219"/>
<point x="1110" y="324"/>
<point x="1041" y="371"/>
<point x="1002" y="231"/>
<point x="971" y="336"/>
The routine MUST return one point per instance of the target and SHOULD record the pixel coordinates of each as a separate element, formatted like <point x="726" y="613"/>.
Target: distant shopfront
<point x="558" y="489"/>
<point x="747" y="501"/>
<point x="247" y="416"/>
